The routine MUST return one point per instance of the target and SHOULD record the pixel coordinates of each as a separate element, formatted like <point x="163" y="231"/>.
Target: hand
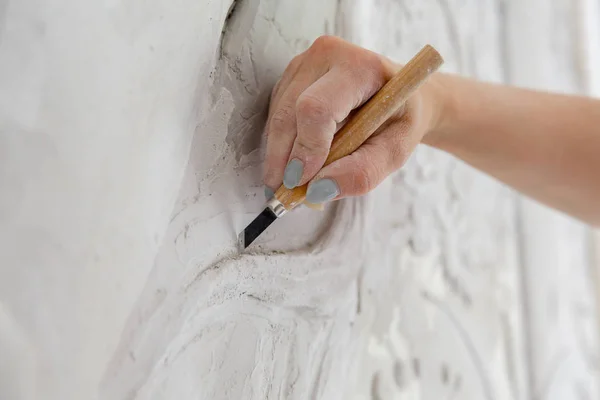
<point x="316" y="94"/>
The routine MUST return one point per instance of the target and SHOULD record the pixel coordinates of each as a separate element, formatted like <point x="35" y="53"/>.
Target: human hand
<point x="317" y="92"/>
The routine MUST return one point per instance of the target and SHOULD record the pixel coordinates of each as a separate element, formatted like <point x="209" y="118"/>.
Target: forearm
<point x="544" y="145"/>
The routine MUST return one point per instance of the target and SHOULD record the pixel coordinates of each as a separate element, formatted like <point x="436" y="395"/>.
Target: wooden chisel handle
<point x="381" y="107"/>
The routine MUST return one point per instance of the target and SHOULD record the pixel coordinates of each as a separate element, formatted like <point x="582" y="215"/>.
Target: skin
<point x="545" y="145"/>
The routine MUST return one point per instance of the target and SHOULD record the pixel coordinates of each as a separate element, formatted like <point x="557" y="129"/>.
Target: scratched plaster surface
<point x="132" y="164"/>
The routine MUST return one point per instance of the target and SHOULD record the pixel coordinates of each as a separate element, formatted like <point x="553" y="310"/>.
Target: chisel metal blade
<point x="272" y="211"/>
<point x="256" y="227"/>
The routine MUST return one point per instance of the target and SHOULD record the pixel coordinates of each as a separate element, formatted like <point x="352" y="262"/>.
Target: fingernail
<point x="322" y="190"/>
<point x="269" y="193"/>
<point x="293" y="173"/>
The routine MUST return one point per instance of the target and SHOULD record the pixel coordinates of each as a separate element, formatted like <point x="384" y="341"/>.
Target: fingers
<point x="361" y="171"/>
<point x="315" y="94"/>
<point x="281" y="127"/>
<point x="319" y="111"/>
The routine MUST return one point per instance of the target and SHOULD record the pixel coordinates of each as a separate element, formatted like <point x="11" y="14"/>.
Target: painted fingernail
<point x="293" y="173"/>
<point x="322" y="190"/>
<point x="269" y="193"/>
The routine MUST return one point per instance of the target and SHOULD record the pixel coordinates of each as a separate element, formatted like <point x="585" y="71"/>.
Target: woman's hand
<point x="545" y="145"/>
<point x="316" y="94"/>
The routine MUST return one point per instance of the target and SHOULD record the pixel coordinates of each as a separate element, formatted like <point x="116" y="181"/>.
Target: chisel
<point x="374" y="113"/>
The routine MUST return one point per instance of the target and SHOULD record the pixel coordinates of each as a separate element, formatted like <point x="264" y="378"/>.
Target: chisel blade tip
<point x="255" y="228"/>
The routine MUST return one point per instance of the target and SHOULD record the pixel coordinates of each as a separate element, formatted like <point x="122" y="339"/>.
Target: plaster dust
<point x="131" y="138"/>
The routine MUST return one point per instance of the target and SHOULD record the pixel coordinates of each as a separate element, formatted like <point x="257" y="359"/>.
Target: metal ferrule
<point x="276" y="206"/>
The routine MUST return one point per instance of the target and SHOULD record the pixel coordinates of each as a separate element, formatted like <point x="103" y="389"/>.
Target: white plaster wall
<point x="131" y="158"/>
<point x="98" y="103"/>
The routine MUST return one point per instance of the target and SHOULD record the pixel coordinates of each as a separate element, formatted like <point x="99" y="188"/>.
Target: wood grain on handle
<point x="381" y="107"/>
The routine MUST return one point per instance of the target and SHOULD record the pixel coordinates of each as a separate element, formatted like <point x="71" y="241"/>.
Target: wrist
<point x="438" y="94"/>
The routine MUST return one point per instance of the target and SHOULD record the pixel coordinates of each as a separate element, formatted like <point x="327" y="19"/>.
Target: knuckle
<point x="364" y="72"/>
<point x="362" y="181"/>
<point x="367" y="177"/>
<point x="372" y="69"/>
<point x="315" y="145"/>
<point x="312" y="108"/>
<point x="325" y="42"/>
<point x="282" y="119"/>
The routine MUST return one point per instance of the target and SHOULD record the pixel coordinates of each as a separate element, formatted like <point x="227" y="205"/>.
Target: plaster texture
<point x="130" y="158"/>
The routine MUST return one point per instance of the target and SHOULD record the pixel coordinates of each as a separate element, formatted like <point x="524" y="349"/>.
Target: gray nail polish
<point x="322" y="190"/>
<point x="269" y="193"/>
<point x="293" y="173"/>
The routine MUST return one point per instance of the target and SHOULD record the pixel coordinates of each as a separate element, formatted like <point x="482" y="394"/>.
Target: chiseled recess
<point x="291" y="322"/>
